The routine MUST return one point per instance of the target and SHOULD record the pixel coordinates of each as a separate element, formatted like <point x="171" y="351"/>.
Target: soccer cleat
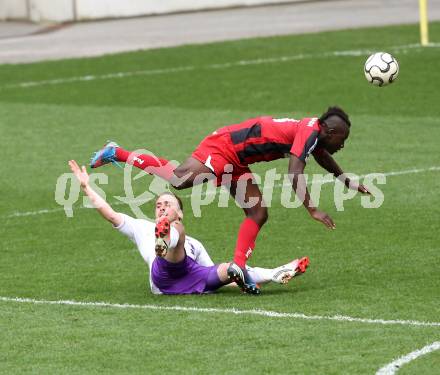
<point x="105" y="155"/>
<point x="287" y="272"/>
<point x="242" y="278"/>
<point x="162" y="231"/>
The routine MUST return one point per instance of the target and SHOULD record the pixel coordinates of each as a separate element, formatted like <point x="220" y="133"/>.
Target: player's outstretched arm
<point x="98" y="202"/>
<point x="296" y="174"/>
<point x="326" y="161"/>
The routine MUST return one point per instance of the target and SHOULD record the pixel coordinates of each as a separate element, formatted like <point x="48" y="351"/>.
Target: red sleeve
<point x="305" y="141"/>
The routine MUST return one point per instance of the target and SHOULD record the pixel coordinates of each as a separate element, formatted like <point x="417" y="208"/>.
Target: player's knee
<point x="260" y="216"/>
<point x="264" y="216"/>
<point x="180" y="172"/>
<point x="178" y="181"/>
<point x="180" y="186"/>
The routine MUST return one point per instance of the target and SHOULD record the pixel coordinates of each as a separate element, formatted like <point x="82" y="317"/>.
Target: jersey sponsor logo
<point x="193" y="250"/>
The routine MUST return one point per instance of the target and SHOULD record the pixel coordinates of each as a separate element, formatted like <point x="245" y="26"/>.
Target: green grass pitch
<point x="378" y="264"/>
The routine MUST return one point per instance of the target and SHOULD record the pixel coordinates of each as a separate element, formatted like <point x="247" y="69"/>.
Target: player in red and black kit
<point x="230" y="150"/>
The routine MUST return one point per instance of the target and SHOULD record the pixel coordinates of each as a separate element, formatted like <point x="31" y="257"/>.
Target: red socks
<point x="247" y="235"/>
<point x="149" y="163"/>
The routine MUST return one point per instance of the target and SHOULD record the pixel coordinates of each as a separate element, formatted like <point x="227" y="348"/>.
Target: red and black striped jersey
<point x="266" y="138"/>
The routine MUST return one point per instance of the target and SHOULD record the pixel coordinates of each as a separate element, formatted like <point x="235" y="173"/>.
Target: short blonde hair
<point x="173" y="195"/>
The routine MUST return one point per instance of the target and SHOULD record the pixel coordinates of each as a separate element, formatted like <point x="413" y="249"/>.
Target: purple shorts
<point x="185" y="277"/>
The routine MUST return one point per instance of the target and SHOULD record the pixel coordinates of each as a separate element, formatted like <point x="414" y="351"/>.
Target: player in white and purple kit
<point x="179" y="264"/>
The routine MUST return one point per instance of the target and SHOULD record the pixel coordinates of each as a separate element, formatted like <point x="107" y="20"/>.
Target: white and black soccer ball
<point x="381" y="69"/>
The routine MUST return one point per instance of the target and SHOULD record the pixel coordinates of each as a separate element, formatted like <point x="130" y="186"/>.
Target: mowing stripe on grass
<point x="395" y="366"/>
<point x="270" y="60"/>
<point x="118" y="203"/>
<point x="264" y="313"/>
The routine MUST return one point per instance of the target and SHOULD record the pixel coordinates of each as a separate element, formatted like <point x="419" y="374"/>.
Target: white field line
<point x="255" y="312"/>
<point x="395" y="366"/>
<point x="278" y="59"/>
<point x="278" y="185"/>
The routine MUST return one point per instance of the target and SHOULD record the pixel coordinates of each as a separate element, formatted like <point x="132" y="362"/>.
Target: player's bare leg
<point x="187" y="174"/>
<point x="222" y="272"/>
<point x="190" y="173"/>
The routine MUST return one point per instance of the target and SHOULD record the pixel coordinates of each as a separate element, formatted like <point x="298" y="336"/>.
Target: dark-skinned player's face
<point x="335" y="142"/>
<point x="337" y="133"/>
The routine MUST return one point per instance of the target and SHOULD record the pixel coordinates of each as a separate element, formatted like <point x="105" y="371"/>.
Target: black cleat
<point x="242" y="278"/>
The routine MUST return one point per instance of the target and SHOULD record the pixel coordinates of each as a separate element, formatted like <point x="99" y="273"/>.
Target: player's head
<point x="167" y="201"/>
<point x="335" y="129"/>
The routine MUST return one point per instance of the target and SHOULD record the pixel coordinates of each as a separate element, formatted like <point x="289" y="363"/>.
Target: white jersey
<point x="141" y="232"/>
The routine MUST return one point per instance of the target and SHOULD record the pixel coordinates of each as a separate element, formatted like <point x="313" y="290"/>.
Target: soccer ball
<point x="381" y="69"/>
